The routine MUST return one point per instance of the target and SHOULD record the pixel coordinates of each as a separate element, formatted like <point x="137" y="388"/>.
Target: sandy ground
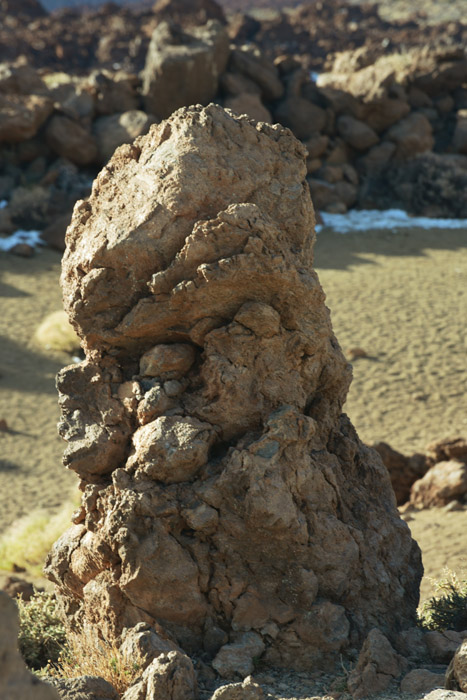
<point x="401" y="297"/>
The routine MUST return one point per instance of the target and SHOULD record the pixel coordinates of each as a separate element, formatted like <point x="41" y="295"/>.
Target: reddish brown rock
<point x="300" y="115"/>
<point x="230" y="506"/>
<point x="444" y="482"/>
<point x="113" y="131"/>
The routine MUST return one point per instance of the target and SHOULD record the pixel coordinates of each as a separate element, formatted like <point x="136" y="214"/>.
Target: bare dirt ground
<point x="401" y="297"/>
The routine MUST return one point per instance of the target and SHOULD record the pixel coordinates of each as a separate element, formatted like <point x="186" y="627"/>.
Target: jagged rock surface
<point x="227" y="500"/>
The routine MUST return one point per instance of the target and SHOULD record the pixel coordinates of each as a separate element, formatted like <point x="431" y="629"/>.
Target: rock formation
<point x="228" y="502"/>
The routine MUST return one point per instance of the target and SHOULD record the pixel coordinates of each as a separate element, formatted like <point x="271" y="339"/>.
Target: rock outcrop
<point x="16" y="682"/>
<point x="228" y="503"/>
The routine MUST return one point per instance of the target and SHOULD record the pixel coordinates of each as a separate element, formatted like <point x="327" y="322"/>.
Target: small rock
<point x="16" y="587"/>
<point x="3" y="426"/>
<point x="23" y="250"/>
<point x="236" y="659"/>
<point x="456" y="675"/>
<point x="442" y="645"/>
<point x="420" y="680"/>
<point x="248" y="690"/>
<point x="356" y="353"/>
<point x="378" y="665"/>
<point x="167" y="361"/>
<point x="169" y="677"/>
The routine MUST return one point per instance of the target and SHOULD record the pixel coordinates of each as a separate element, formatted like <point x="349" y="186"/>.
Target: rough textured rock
<point x="114" y="130"/>
<point x="440" y="694"/>
<point x="377" y="667"/>
<point x="420" y="680"/>
<point x="234" y="499"/>
<point x="404" y="471"/>
<point x="71" y="140"/>
<point x="449" y="448"/>
<point x="456" y="675"/>
<point x="21" y="116"/>
<point x="248" y="690"/>
<point x="356" y="133"/>
<point x="412" y="135"/>
<point x="444" y="482"/>
<point x="237" y="659"/>
<point x="183" y="67"/>
<point x="169" y="677"/>
<point x="16" y="682"/>
<point x="143" y="643"/>
<point x="84" y="688"/>
<point x="443" y="645"/>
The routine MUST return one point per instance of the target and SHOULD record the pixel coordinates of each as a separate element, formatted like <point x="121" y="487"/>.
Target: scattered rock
<point x="248" y="690"/>
<point x="183" y="67"/>
<point x="456" y="675"/>
<point x="420" y="680"/>
<point x="21" y="116"/>
<point x="112" y="131"/>
<point x="404" y="471"/>
<point x="170" y="676"/>
<point x="71" y="140"/>
<point x="442" y="645"/>
<point x="377" y="667"/>
<point x="143" y="643"/>
<point x="84" y="688"/>
<point x="237" y="659"/>
<point x="448" y="448"/>
<point x="442" y="483"/>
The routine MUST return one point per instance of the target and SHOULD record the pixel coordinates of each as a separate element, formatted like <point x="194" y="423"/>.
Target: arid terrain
<point x="401" y="297"/>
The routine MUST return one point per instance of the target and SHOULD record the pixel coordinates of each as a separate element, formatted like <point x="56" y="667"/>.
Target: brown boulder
<point x="16" y="682"/>
<point x="113" y="131"/>
<point x="448" y="448"/>
<point x="300" y="115"/>
<point x="170" y="676"/>
<point x="113" y="92"/>
<point x="412" y="135"/>
<point x="443" y="645"/>
<point x="69" y="139"/>
<point x="21" y="116"/>
<point x="442" y="483"/>
<point x="183" y="67"/>
<point x="84" y="688"/>
<point x="249" y="104"/>
<point x="456" y="675"/>
<point x="421" y="680"/>
<point x="378" y="666"/>
<point x="257" y="68"/>
<point x="356" y="133"/>
<point x="404" y="471"/>
<point x="231" y="508"/>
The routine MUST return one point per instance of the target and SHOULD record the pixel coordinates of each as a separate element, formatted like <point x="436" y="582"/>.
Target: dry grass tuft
<point x="27" y="541"/>
<point x="56" y="333"/>
<point x="86" y="655"/>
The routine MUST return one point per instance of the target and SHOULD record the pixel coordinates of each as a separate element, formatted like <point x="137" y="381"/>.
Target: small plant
<point x="448" y="608"/>
<point x="101" y="659"/>
<point x="42" y="635"/>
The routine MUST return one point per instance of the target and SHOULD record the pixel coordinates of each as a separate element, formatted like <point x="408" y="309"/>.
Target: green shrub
<point x="448" y="609"/>
<point x="42" y="635"/>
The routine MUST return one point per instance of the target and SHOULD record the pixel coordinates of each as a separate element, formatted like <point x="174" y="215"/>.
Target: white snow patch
<point x="368" y="219"/>
<point x="32" y="238"/>
<point x="3" y="203"/>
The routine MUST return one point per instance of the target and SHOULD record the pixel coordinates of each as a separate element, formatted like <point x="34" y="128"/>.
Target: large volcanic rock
<point x="228" y="502"/>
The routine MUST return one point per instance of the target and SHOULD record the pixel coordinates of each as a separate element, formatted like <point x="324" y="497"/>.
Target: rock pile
<point x="435" y="478"/>
<point x="381" y="129"/>
<point x="228" y="503"/>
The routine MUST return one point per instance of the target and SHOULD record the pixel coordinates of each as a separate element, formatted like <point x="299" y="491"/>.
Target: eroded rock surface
<point x="228" y="503"/>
